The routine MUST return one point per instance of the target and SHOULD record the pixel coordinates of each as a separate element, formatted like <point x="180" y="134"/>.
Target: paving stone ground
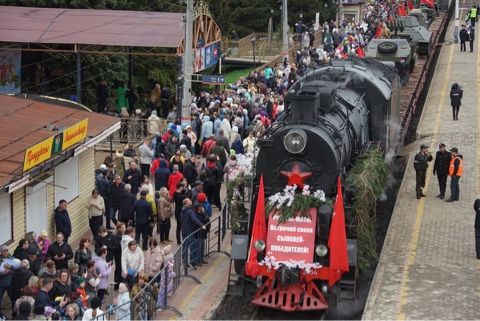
<point x="428" y="268"/>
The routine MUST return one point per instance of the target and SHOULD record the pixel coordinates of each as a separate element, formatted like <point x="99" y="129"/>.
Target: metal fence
<point x="155" y="295"/>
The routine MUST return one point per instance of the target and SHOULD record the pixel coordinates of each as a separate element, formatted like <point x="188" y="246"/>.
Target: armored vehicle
<point x="421" y="17"/>
<point x="418" y="34"/>
<point x="397" y="51"/>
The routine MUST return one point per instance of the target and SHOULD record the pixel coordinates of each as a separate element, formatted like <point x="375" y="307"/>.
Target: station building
<point x="46" y="155"/>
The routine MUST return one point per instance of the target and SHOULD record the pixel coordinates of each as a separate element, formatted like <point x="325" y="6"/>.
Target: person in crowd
<point x="147" y="185"/>
<point x="133" y="177"/>
<point x="162" y="173"/>
<point x="81" y="291"/>
<point x="208" y="144"/>
<point x="107" y="240"/>
<point x="83" y="254"/>
<point x="150" y="198"/>
<point x="165" y="100"/>
<point x="43" y="242"/>
<point x="455" y="172"/>
<point x="21" y="251"/>
<point x="72" y="312"/>
<point x="74" y="271"/>
<point x="104" y="269"/>
<point x="440" y="168"/>
<point x="122" y="313"/>
<point x="120" y="97"/>
<point x="94" y="313"/>
<point x="128" y="236"/>
<point x="165" y="212"/>
<point x="153" y="259"/>
<point x="202" y="235"/>
<point x="463" y="38"/>
<point x="62" y="220"/>
<point x="62" y="286"/>
<point x="35" y="260"/>
<point x="420" y="164"/>
<point x="178" y="197"/>
<point x="117" y="189"/>
<point x="92" y="279"/>
<point x="146" y="158"/>
<point x="142" y="213"/>
<point x="133" y="262"/>
<point x="456" y="95"/>
<point x="102" y="96"/>
<point x="153" y="123"/>
<point x="20" y="279"/>
<point x="126" y="206"/>
<point x="121" y="229"/>
<point x="132" y="96"/>
<point x="155" y="100"/>
<point x="213" y="181"/>
<point x="190" y="170"/>
<point x="49" y="270"/>
<point x="102" y="185"/>
<point x="174" y="178"/>
<point x="144" y="294"/>
<point x="43" y="300"/>
<point x="24" y="311"/>
<point x="96" y="209"/>
<point x="190" y="223"/>
<point x="60" y="252"/>
<point x="171" y="146"/>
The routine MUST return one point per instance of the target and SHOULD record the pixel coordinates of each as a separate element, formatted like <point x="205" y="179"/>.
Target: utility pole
<point x="457" y="21"/>
<point x="285" y="29"/>
<point x="78" y="76"/>
<point x="270" y="31"/>
<point x="187" y="66"/>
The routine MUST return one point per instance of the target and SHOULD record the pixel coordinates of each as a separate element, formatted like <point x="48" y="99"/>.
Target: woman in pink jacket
<point x="153" y="259"/>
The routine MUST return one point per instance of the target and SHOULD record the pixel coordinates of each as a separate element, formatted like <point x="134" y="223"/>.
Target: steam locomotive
<point x="333" y="114"/>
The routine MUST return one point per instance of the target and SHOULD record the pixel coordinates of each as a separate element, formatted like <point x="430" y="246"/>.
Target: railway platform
<point x="428" y="267"/>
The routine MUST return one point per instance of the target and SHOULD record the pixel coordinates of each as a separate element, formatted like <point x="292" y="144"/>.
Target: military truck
<point x="395" y="51"/>
<point x="419" y="34"/>
<point x="421" y="17"/>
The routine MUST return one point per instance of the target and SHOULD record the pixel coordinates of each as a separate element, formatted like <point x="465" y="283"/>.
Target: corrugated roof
<point x="24" y="124"/>
<point x="92" y="27"/>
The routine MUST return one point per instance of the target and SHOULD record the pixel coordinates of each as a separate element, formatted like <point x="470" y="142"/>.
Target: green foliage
<point x="368" y="178"/>
<point x="236" y="198"/>
<point x="300" y="205"/>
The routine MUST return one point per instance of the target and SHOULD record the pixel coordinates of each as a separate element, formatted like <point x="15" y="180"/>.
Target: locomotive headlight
<point x="260" y="245"/>
<point x="295" y="141"/>
<point x="321" y="250"/>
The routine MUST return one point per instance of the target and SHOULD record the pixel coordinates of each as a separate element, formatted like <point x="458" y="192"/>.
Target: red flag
<point x="337" y="240"/>
<point x="360" y="52"/>
<point x="259" y="232"/>
<point x="410" y="5"/>
<point x="401" y="11"/>
<point x="428" y="3"/>
<point x="379" y="32"/>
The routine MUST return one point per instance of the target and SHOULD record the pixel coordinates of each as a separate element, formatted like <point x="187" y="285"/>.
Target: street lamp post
<point x="253" y="40"/>
<point x="285" y="29"/>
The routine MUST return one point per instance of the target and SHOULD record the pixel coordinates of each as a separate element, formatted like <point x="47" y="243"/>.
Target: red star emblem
<point x="295" y="176"/>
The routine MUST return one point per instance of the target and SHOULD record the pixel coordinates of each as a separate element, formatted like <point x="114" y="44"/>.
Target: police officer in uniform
<point x="420" y="164"/>
<point x="455" y="171"/>
<point x="440" y="168"/>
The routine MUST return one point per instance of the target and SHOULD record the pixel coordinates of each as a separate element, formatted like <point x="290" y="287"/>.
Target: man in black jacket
<point x="126" y="206"/>
<point x="133" y="177"/>
<point x="476" y="207"/>
<point x="43" y="299"/>
<point x="60" y="252"/>
<point x="440" y="168"/>
<point x="21" y="251"/>
<point x="108" y="240"/>
<point x="62" y="220"/>
<point x="143" y="211"/>
<point x="420" y="164"/>
<point x="463" y="38"/>
<point x="116" y="191"/>
<point x="456" y="95"/>
<point x="20" y="279"/>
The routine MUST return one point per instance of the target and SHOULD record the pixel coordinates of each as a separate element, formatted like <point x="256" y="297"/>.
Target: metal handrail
<point x="175" y="269"/>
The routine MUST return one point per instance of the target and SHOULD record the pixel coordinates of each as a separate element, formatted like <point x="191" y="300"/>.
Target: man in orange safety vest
<point x="455" y="172"/>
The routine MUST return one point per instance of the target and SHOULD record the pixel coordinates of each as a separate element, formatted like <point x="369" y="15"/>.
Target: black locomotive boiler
<point x="332" y="114"/>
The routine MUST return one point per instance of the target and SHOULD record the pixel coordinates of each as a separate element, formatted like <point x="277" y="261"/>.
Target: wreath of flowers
<point x="271" y="262"/>
<point x="290" y="201"/>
